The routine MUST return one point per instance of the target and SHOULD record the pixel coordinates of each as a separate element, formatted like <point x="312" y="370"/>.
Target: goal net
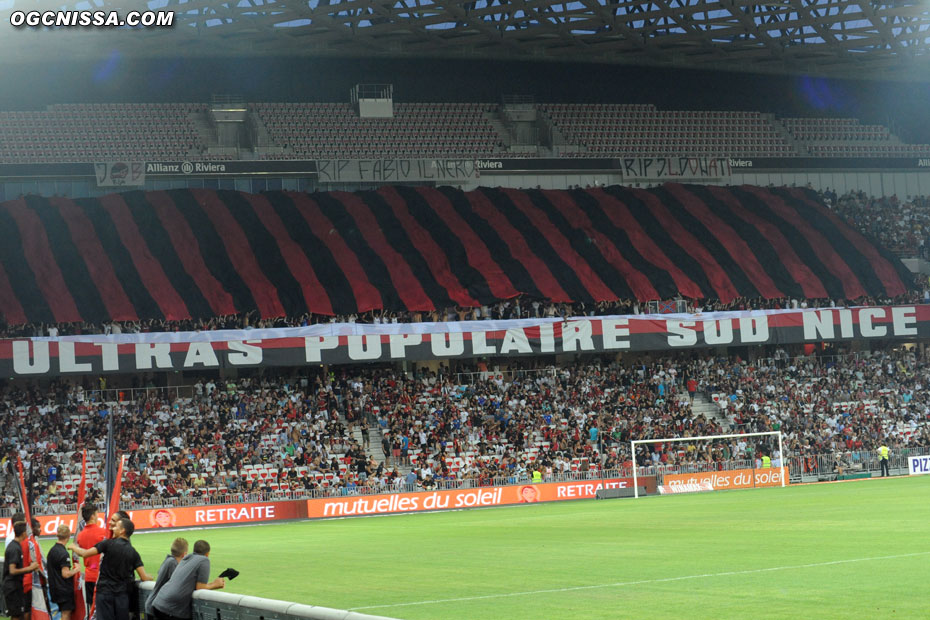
<point x="710" y="462"/>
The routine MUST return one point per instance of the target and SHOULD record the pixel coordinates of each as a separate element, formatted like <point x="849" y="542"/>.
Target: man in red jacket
<point x="87" y="538"/>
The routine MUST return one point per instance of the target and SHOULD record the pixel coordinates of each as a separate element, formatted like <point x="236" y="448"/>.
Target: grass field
<point x="850" y="550"/>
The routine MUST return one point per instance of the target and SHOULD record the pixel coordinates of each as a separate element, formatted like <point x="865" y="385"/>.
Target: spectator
<point x="178" y="550"/>
<point x="174" y="599"/>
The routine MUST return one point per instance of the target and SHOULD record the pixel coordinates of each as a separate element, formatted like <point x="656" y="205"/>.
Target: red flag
<point x="113" y="508"/>
<point x="82" y="490"/>
<point x="40" y="601"/>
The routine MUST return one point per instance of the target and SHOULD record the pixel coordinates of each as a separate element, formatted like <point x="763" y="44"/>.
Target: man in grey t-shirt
<point x="178" y="551"/>
<point x="173" y="601"/>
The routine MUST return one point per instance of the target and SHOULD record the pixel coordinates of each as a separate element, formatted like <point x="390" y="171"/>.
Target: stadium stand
<point x="334" y="130"/>
<point x="641" y="130"/>
<point x="875" y="150"/>
<point x="279" y="437"/>
<point x="846" y="137"/>
<point x="157" y="131"/>
<point x="274" y="437"/>
<point x="98" y="132"/>
<point x="835" y="129"/>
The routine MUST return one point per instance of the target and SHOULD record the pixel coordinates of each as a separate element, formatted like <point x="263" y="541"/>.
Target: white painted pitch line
<point x="621" y="584"/>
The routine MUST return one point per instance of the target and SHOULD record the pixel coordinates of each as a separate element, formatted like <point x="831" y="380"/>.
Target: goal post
<point x="636" y="442"/>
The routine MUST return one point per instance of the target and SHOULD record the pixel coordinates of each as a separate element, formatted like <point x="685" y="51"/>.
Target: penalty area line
<point x="621" y="584"/>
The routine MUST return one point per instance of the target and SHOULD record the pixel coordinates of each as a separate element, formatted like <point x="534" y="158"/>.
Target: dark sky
<point x="115" y="78"/>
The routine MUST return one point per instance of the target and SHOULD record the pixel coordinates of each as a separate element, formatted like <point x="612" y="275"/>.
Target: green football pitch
<point x="850" y="550"/>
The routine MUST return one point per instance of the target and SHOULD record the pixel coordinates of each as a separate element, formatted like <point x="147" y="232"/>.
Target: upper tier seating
<point x="641" y="130"/>
<point x="834" y="129"/>
<point x="334" y="130"/>
<point x="100" y="131"/>
<point x="170" y="131"/>
<point x="871" y="150"/>
<point x="846" y="137"/>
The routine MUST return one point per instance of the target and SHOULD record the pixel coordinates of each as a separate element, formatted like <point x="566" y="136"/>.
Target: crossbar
<point x="636" y="441"/>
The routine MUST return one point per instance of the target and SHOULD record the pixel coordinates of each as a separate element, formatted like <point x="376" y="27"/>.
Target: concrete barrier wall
<point x="212" y="605"/>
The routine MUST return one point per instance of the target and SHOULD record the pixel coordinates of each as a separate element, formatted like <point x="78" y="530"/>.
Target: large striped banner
<point x="202" y="253"/>
<point x="353" y="343"/>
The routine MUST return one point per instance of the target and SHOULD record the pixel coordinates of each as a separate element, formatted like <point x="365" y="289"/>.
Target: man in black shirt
<point x="61" y="574"/>
<point x="116" y="568"/>
<point x="13" y="571"/>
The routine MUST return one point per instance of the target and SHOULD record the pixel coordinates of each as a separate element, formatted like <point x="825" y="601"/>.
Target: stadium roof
<point x="843" y="38"/>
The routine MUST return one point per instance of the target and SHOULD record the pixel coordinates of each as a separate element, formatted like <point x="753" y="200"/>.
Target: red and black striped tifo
<point x="200" y="253"/>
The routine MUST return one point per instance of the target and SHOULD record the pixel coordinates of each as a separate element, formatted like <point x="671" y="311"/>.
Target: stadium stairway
<point x="557" y="139"/>
<point x="500" y="127"/>
<point x="263" y="137"/>
<point x="205" y="128"/>
<point x="706" y="407"/>
<point x="799" y="147"/>
<point x="374" y="438"/>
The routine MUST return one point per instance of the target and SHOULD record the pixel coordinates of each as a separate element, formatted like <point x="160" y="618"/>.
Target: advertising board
<point x="465" y="498"/>
<point x="732" y="479"/>
<point x="918" y="465"/>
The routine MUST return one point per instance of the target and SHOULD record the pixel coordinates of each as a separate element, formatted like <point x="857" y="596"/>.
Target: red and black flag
<point x="113" y="473"/>
<point x="203" y="253"/>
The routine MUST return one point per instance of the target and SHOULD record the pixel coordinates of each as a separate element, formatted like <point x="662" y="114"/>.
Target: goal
<point x="778" y="463"/>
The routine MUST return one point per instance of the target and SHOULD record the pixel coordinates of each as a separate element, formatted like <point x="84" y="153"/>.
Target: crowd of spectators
<point x="901" y="225"/>
<point x="361" y="432"/>
<point x="826" y="405"/>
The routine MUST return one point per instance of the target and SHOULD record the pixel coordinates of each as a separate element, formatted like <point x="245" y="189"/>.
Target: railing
<point x="128" y="395"/>
<point x="800" y="359"/>
<point x="903" y="253"/>
<point x="845" y="463"/>
<point x="227" y="100"/>
<point x="513" y="101"/>
<point x="483" y="375"/>
<point x="372" y="91"/>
